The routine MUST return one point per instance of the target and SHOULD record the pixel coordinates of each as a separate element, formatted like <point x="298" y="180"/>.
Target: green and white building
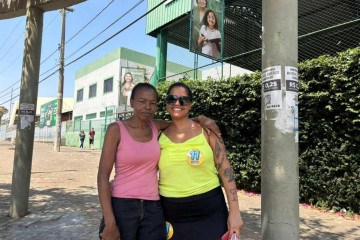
<point x="98" y="85"/>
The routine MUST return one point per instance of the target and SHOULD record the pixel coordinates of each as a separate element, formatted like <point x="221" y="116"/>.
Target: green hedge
<point x="330" y="131"/>
<point x="329" y="111"/>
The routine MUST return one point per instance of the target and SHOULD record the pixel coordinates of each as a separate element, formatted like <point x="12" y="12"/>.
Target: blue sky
<point x="12" y="43"/>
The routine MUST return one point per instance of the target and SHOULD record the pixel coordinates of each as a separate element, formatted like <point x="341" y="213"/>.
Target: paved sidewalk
<point x="64" y="204"/>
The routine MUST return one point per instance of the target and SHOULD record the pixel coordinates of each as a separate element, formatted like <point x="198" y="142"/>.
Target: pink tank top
<point x="136" y="167"/>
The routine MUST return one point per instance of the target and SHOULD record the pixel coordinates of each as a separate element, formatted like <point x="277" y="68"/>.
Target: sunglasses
<point x="183" y="100"/>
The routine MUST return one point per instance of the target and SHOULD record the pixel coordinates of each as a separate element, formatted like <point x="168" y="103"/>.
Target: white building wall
<point x="102" y="100"/>
<point x="111" y="69"/>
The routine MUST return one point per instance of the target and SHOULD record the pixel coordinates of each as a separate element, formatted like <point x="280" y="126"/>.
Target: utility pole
<point x="57" y="140"/>
<point x="279" y="121"/>
<point x="24" y="143"/>
<point x="11" y="98"/>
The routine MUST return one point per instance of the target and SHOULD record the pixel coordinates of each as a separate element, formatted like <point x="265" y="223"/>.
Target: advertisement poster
<point x="207" y="28"/>
<point x="27" y="115"/>
<point x="271" y="81"/>
<point x="291" y="98"/>
<point x="48" y="114"/>
<point x="129" y="78"/>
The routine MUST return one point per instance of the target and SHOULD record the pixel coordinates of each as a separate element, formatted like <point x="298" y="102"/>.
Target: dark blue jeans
<point x="138" y="219"/>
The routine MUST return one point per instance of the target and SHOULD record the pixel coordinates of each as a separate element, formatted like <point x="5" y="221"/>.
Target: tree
<point x="3" y="111"/>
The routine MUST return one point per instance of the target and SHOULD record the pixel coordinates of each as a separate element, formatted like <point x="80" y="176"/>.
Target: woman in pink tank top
<point x="131" y="204"/>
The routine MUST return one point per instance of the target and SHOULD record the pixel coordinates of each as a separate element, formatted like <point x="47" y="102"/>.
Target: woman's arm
<point x="226" y="173"/>
<point x="107" y="159"/>
<point x="207" y="123"/>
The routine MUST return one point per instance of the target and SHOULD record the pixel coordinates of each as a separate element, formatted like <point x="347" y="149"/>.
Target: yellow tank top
<point x="186" y="169"/>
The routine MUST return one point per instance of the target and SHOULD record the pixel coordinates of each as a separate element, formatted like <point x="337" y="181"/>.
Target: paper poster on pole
<point x="291" y="98"/>
<point x="27" y="115"/>
<point x="271" y="87"/>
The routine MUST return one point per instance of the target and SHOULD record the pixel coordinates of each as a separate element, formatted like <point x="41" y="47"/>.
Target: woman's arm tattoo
<point x="217" y="150"/>
<point x="233" y="194"/>
<point x="219" y="165"/>
<point x="229" y="173"/>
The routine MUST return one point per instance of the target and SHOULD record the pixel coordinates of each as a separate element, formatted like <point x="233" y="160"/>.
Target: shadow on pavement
<point x="54" y="213"/>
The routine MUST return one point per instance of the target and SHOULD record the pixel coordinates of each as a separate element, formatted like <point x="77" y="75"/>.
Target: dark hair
<point x="132" y="78"/>
<point x="205" y="22"/>
<point x="143" y="86"/>
<point x="181" y="84"/>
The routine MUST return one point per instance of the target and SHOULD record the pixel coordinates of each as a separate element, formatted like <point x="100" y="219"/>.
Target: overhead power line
<point x="12" y="32"/>
<point x="127" y="12"/>
<point x="94" y="48"/>
<point x="90" y="21"/>
<point x="53" y="73"/>
<point x="10" y="48"/>
<point x="71" y="38"/>
<point x="117" y="33"/>
<point x="56" y="49"/>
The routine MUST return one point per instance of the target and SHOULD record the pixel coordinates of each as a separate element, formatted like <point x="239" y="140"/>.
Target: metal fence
<point x="45" y="134"/>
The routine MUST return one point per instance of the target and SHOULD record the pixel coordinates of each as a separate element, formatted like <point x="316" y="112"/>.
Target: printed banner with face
<point x="48" y="114"/>
<point x="129" y="78"/>
<point x="207" y="28"/>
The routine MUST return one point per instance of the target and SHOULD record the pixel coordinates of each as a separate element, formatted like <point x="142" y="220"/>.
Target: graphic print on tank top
<point x="194" y="157"/>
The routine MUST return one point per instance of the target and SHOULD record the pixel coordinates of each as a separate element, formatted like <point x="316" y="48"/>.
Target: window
<point x="78" y="118"/>
<point x="90" y="116"/>
<point x="109" y="113"/>
<point x="92" y="91"/>
<point x="80" y="95"/>
<point x="108" y="85"/>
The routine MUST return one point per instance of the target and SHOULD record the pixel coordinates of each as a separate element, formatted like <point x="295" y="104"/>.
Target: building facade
<point x="100" y="87"/>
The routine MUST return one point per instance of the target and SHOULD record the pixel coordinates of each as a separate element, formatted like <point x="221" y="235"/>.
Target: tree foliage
<point x="3" y="111"/>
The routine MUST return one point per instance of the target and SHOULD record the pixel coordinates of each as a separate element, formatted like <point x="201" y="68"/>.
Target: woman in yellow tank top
<point x="191" y="161"/>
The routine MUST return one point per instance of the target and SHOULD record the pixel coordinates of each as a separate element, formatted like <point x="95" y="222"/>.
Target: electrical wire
<point x="90" y="21"/>
<point x="79" y="31"/>
<point x="127" y="12"/>
<point x="117" y="33"/>
<point x="12" y="90"/>
<point x="12" y="32"/>
<point x="10" y="48"/>
<point x="9" y="87"/>
<point x="8" y="66"/>
<point x="94" y="48"/>
<point x="1" y="104"/>
<point x="57" y="48"/>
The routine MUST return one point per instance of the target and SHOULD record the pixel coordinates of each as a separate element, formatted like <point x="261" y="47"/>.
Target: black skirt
<point x="202" y="216"/>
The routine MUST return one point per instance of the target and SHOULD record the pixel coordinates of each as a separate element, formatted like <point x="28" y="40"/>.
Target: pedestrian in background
<point x="82" y="138"/>
<point x="91" y="138"/>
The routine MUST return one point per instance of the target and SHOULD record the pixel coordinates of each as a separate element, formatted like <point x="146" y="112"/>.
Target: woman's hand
<point x="235" y="223"/>
<point x="208" y="124"/>
<point x="201" y="40"/>
<point x="110" y="232"/>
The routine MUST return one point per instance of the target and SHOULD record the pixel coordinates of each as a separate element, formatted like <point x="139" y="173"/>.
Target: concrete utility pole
<point x="57" y="140"/>
<point x="27" y="113"/>
<point x="279" y="121"/>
